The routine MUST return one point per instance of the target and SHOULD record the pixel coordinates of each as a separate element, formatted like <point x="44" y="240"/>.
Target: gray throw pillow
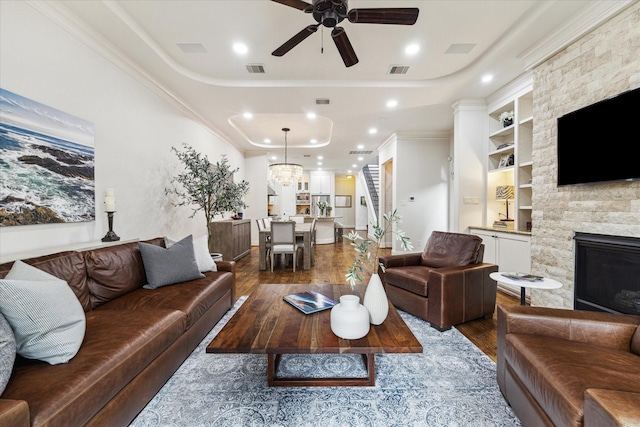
<point x="45" y="315"/>
<point x="174" y="264"/>
<point x="7" y="352"/>
<point x="201" y="252"/>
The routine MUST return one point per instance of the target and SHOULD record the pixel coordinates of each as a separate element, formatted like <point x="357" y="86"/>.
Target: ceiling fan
<point x="330" y="13"/>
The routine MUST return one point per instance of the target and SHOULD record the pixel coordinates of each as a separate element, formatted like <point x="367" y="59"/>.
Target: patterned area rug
<point x="452" y="383"/>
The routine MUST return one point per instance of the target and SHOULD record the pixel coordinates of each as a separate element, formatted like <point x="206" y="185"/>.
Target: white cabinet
<point x="320" y="182"/>
<point x="509" y="251"/>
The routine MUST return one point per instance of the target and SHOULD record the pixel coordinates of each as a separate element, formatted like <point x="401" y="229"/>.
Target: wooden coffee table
<point x="267" y="324"/>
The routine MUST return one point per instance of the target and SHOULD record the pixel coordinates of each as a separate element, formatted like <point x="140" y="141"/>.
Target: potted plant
<point x="375" y="299"/>
<point x="206" y="186"/>
<point x="506" y="118"/>
<point x="322" y="206"/>
<point x="329" y="208"/>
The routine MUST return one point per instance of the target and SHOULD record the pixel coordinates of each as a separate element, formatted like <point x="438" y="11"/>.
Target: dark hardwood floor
<point x="332" y="262"/>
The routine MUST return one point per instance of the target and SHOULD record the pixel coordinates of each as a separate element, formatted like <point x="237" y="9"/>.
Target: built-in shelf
<point x="513" y="146"/>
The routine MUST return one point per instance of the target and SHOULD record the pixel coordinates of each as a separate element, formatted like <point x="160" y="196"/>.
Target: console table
<point x="231" y="238"/>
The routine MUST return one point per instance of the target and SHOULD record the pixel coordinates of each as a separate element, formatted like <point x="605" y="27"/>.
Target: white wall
<point x="255" y="172"/>
<point x="134" y="132"/>
<point x="468" y="190"/>
<point x="425" y="176"/>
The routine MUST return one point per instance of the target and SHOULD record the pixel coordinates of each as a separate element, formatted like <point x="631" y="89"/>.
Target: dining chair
<point x="267" y="243"/>
<point x="283" y="240"/>
<point x="312" y="242"/>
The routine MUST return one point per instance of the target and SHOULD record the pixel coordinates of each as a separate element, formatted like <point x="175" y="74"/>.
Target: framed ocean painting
<point x="46" y="164"/>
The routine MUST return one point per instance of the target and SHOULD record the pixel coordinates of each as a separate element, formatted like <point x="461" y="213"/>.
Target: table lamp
<point x="505" y="192"/>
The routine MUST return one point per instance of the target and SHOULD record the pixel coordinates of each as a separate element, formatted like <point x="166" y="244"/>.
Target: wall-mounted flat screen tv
<point x="600" y="142"/>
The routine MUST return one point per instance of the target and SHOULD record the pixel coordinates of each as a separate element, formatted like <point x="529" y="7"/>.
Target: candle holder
<point x="111" y="236"/>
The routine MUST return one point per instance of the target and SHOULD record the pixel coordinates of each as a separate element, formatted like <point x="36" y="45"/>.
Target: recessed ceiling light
<point x="487" y="78"/>
<point x="349" y="176"/>
<point x="373" y="131"/>
<point x="247" y="115"/>
<point x="360" y="159"/>
<point x="320" y="157"/>
<point x="354" y="166"/>
<point x="274" y="157"/>
<point x="319" y="163"/>
<point x="392" y="103"/>
<point x="313" y="141"/>
<point x="360" y="146"/>
<point x="267" y="141"/>
<point x="349" y="171"/>
<point x="412" y="49"/>
<point x="311" y="116"/>
<point x="240" y="48"/>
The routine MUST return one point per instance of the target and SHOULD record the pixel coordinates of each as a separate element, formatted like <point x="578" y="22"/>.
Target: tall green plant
<point x="206" y="186"/>
<point x="363" y="246"/>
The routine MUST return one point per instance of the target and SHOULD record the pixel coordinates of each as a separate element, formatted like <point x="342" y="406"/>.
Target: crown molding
<point x="69" y="22"/>
<point x="595" y="15"/>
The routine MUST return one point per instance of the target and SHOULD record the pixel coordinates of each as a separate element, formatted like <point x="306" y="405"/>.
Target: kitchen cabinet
<point x="320" y="182"/>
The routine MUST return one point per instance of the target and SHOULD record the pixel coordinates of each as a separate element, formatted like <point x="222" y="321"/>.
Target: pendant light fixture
<point x="285" y="173"/>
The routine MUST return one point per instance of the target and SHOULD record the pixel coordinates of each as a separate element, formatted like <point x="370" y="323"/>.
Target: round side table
<point x="544" y="283"/>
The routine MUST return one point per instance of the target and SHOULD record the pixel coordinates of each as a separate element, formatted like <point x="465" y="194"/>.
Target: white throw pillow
<point x="201" y="252"/>
<point x="46" y="317"/>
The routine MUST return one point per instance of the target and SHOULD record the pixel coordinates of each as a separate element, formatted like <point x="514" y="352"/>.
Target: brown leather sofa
<point x="561" y="367"/>
<point x="134" y="341"/>
<point x="446" y="284"/>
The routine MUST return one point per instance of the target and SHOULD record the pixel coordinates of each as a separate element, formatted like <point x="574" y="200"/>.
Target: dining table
<point x="302" y="229"/>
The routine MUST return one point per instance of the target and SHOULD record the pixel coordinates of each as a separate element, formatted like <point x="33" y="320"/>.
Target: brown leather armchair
<point x="446" y="284"/>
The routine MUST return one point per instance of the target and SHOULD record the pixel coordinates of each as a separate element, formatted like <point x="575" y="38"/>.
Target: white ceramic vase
<point x="375" y="300"/>
<point x="349" y="318"/>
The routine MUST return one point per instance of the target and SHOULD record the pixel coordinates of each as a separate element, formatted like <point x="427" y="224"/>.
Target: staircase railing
<point x="372" y="187"/>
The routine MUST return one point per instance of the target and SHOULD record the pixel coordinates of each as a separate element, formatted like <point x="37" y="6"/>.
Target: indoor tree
<point x="206" y="186"/>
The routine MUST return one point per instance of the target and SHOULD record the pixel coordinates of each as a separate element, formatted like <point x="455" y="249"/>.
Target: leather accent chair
<point x="446" y="284"/>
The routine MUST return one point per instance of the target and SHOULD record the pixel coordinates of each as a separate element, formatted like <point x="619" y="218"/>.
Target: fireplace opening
<point x="607" y="273"/>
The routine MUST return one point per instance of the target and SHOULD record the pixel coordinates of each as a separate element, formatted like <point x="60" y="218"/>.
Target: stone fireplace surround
<point x="596" y="66"/>
<point x="607" y="273"/>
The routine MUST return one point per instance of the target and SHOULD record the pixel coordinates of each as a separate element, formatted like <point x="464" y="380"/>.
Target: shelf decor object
<point x="285" y="174"/>
<point x="350" y="319"/>
<point x="506" y="193"/>
<point x="375" y="298"/>
<point x="110" y="208"/>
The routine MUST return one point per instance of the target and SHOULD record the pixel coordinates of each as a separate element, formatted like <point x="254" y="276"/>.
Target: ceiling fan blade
<point x="343" y="44"/>
<point x="297" y="4"/>
<point x="391" y="15"/>
<point x="295" y="40"/>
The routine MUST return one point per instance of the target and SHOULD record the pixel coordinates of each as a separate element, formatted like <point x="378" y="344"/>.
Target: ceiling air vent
<point x="361" y="152"/>
<point x="322" y="101"/>
<point x="460" y="48"/>
<point x="398" y="69"/>
<point x="192" y="47"/>
<point x="255" y="69"/>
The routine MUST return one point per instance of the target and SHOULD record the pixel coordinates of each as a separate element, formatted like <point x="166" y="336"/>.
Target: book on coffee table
<point x="309" y="302"/>
<point x="522" y="276"/>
